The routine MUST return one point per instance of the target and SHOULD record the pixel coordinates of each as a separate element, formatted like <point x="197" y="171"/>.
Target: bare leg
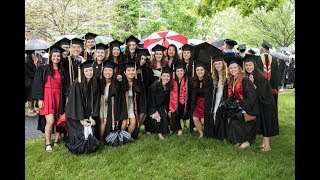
<point x="266" y="144"/>
<point x="132" y="125"/>
<point x="198" y="125"/>
<point x="170" y="121"/>
<point x="142" y="117"/>
<point x="56" y="136"/>
<point x="103" y="122"/>
<point x="48" y="127"/>
<point x="124" y="125"/>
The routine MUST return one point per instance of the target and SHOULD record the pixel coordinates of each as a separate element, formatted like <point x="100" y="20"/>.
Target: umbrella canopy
<point x="37" y="44"/>
<point x="195" y="41"/>
<point x="292" y="50"/>
<point x="64" y="36"/>
<point x="281" y="56"/>
<point x="212" y="39"/>
<point x="164" y="38"/>
<point x="219" y="43"/>
<point x="103" y="39"/>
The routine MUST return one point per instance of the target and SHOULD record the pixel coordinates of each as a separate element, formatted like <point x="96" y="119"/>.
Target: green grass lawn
<point x="183" y="157"/>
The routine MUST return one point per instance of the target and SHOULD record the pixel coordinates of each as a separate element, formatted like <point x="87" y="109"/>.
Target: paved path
<point x="31" y="131"/>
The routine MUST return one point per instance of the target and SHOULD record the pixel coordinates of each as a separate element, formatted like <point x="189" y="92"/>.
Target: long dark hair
<point x="51" y="63"/>
<point x="86" y="85"/>
<point x="205" y="81"/>
<point x="176" y="55"/>
<point x="257" y="73"/>
<point x="119" y="58"/>
<point x="113" y="85"/>
<point x="169" y="85"/>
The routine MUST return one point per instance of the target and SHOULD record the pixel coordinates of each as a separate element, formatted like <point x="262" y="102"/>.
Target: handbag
<point x="248" y="117"/>
<point x="61" y="120"/>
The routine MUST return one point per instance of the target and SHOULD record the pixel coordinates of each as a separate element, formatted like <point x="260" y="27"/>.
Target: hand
<point x="119" y="78"/>
<point x="85" y="122"/>
<point x="92" y="121"/>
<point x="251" y="78"/>
<point x="40" y="104"/>
<point x="156" y="116"/>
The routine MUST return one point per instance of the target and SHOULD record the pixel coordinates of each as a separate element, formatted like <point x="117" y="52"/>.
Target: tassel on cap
<point x="192" y="68"/>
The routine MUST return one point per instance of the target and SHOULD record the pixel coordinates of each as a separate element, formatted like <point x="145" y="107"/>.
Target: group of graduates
<point x="228" y="95"/>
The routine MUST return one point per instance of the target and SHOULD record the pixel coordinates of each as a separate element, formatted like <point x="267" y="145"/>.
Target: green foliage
<point x="125" y="18"/>
<point x="245" y="7"/>
<point x="176" y="157"/>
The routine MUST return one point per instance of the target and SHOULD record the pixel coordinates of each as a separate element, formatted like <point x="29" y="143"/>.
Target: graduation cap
<point x="251" y="51"/>
<point x="250" y="57"/>
<point x="101" y="46"/>
<point x="187" y="47"/>
<point x="77" y="41"/>
<point x="132" y="38"/>
<point x="90" y="35"/>
<point x="237" y="60"/>
<point x="29" y="51"/>
<point x="158" y="48"/>
<point x="242" y="47"/>
<point x="266" y="45"/>
<point x="218" y="57"/>
<point x="63" y="41"/>
<point x="129" y="64"/>
<point x="115" y="43"/>
<point x="86" y="64"/>
<point x="144" y="52"/>
<point x="230" y="42"/>
<point x="110" y="64"/>
<point x="179" y="65"/>
<point x="166" y="69"/>
<point x="54" y="48"/>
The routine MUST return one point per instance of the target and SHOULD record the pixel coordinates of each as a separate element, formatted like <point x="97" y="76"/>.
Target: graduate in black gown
<point x="158" y="104"/>
<point x="180" y="97"/>
<point x="242" y="96"/>
<point x="110" y="107"/>
<point x="115" y="55"/>
<point x="134" y="99"/>
<point x="157" y="62"/>
<point x="30" y="70"/>
<point x="267" y="122"/>
<point x="89" y="44"/>
<point x="130" y="52"/>
<point x="82" y="112"/>
<point x="268" y="65"/>
<point x="219" y="94"/>
<point x="100" y="58"/>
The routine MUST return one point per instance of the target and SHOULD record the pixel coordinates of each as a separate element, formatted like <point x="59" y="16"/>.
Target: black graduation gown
<point x="29" y="73"/>
<point x="90" y="56"/>
<point x="70" y="70"/>
<point x="80" y="107"/>
<point x="138" y="91"/>
<point x="118" y="107"/>
<point x="274" y="80"/>
<point x="97" y="68"/>
<point x="208" y="121"/>
<point x="239" y="131"/>
<point x="158" y="100"/>
<point x="267" y="121"/>
<point x="39" y="81"/>
<point x="221" y="118"/>
<point x="282" y="70"/>
<point x="144" y="77"/>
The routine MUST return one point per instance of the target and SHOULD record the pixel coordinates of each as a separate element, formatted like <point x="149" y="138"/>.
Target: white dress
<point x="106" y="94"/>
<point x="130" y="104"/>
<point x="218" y="99"/>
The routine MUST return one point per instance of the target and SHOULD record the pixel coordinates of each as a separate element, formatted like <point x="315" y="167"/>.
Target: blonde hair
<point x="230" y="76"/>
<point x="215" y="74"/>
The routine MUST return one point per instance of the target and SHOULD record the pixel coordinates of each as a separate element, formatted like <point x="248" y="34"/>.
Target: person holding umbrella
<point x="30" y="71"/>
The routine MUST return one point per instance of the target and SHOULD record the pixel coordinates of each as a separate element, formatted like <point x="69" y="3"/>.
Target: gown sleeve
<point x="152" y="106"/>
<point x="75" y="108"/>
<point x="38" y="83"/>
<point x="249" y="103"/>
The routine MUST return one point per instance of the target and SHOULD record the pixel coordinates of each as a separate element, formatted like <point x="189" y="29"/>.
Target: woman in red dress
<point x="49" y="88"/>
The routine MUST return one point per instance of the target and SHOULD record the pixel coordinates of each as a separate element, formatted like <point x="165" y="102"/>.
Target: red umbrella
<point x="165" y="38"/>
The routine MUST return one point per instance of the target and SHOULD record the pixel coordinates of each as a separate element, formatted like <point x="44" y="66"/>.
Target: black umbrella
<point x="112" y="138"/>
<point x="232" y="108"/>
<point x="124" y="137"/>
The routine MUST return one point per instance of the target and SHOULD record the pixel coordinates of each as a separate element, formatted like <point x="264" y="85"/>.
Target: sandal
<point x="48" y="148"/>
<point x="55" y="143"/>
<point x="265" y="149"/>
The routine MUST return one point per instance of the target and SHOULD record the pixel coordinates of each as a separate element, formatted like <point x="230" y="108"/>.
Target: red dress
<point x="51" y="97"/>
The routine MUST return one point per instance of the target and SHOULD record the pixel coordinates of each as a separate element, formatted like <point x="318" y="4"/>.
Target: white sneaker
<point x="48" y="148"/>
<point x="161" y="136"/>
<point x="244" y="145"/>
<point x="179" y="132"/>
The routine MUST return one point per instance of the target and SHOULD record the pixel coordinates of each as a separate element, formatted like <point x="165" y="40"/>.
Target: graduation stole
<point x="266" y="69"/>
<point x="236" y="88"/>
<point x="135" y="110"/>
<point x="174" y="99"/>
<point x="71" y="75"/>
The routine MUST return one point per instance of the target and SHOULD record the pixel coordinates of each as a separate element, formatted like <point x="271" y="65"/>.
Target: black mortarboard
<point x="101" y="46"/>
<point x="179" y="65"/>
<point x="158" y="48"/>
<point x="242" y="47"/>
<point x="144" y="52"/>
<point x="128" y="64"/>
<point x="218" y="57"/>
<point x="237" y="60"/>
<point x="63" y="41"/>
<point x="115" y="43"/>
<point x="110" y="64"/>
<point x="250" y="57"/>
<point x="251" y="51"/>
<point x="90" y="35"/>
<point x="266" y="45"/>
<point x="166" y="69"/>
<point x="29" y="51"/>
<point x="230" y="42"/>
<point x="132" y="38"/>
<point x="187" y="47"/>
<point x="76" y="41"/>
<point x="205" y="51"/>
<point x="55" y="48"/>
<point x="86" y="64"/>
